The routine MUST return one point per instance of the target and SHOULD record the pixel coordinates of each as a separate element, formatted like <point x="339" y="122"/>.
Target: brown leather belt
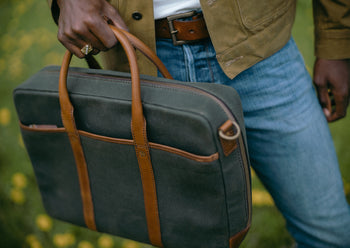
<point x="182" y="31"/>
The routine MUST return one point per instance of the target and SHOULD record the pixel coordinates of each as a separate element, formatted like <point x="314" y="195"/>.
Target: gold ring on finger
<point x="86" y="49"/>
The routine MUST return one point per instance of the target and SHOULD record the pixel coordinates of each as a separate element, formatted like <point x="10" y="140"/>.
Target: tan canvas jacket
<point x="243" y="32"/>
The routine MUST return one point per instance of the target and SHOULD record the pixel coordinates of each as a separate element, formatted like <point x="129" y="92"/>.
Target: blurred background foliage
<point x="27" y="43"/>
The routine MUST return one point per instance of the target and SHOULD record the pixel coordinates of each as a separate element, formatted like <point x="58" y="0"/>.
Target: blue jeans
<point x="290" y="145"/>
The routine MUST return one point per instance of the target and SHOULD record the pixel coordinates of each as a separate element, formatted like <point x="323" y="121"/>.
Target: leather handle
<point x="128" y="42"/>
<point x="142" y="47"/>
<point x="138" y="128"/>
<point x="67" y="107"/>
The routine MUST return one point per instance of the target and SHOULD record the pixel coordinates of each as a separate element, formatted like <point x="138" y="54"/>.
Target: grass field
<point x="28" y="43"/>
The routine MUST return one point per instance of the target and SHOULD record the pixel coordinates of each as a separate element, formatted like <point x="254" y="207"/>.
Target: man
<point x="248" y="45"/>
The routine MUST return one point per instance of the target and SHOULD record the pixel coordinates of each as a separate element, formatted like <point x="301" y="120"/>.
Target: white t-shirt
<point x="164" y="8"/>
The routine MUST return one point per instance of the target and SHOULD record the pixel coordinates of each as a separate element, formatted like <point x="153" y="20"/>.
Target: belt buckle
<point x="173" y="31"/>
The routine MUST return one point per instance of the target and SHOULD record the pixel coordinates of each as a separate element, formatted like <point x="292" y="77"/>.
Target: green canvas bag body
<point x="145" y="158"/>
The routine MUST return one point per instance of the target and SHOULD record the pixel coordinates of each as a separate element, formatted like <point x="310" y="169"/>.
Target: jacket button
<point x="137" y="16"/>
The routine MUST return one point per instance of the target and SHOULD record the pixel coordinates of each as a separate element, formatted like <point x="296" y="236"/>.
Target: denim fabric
<point x="290" y="145"/>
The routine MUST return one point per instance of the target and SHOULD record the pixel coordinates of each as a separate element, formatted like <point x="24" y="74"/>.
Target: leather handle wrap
<point x="138" y="128"/>
<point x="70" y="127"/>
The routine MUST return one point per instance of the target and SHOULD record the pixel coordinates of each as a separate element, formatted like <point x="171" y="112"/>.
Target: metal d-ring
<point x="233" y="137"/>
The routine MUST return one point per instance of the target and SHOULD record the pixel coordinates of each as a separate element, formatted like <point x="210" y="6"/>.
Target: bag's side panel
<point x="236" y="191"/>
<point x="236" y="167"/>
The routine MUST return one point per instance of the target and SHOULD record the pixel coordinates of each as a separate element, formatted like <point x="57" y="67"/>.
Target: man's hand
<point x="84" y="22"/>
<point x="332" y="81"/>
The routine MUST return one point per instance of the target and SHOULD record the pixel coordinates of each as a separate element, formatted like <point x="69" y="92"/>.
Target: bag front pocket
<point x="54" y="167"/>
<point x="188" y="187"/>
<point x="193" y="183"/>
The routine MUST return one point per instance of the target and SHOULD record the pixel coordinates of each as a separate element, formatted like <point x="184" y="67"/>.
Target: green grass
<point x="28" y="43"/>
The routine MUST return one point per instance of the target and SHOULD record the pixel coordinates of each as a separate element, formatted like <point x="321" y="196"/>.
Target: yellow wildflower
<point x="105" y="241"/>
<point x="64" y="239"/>
<point x="261" y="198"/>
<point x="30" y="238"/>
<point x="20" y="141"/>
<point x="44" y="222"/>
<point x="36" y="244"/>
<point x="20" y="9"/>
<point x="53" y="58"/>
<point x="17" y="196"/>
<point x="5" y="116"/>
<point x="33" y="241"/>
<point x="59" y="240"/>
<point x="16" y="68"/>
<point x="25" y="42"/>
<point x="130" y="244"/>
<point x="252" y="173"/>
<point x="347" y="188"/>
<point x="85" y="244"/>
<point x="309" y="69"/>
<point x="19" y="180"/>
<point x="70" y="238"/>
<point x="45" y="39"/>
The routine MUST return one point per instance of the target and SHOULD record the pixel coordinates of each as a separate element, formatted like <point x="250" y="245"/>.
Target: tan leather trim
<point x="138" y="129"/>
<point x="149" y="187"/>
<point x="188" y="155"/>
<point x="236" y="240"/>
<point x="197" y="158"/>
<point x="179" y="152"/>
<point x="69" y="124"/>
<point x="146" y="51"/>
<point x="228" y="146"/>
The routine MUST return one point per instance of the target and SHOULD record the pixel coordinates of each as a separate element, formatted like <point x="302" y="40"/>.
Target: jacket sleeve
<point x="55" y="11"/>
<point x="332" y="28"/>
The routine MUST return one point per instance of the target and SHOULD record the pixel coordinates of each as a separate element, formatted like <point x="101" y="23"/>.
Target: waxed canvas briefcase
<point x="146" y="158"/>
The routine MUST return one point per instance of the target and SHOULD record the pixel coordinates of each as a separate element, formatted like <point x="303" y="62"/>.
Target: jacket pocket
<point x="258" y="14"/>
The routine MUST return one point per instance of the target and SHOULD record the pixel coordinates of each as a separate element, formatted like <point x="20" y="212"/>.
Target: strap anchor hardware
<point x="235" y="135"/>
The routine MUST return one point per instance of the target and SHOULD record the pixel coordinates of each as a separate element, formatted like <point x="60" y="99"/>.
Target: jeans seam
<point x="209" y="64"/>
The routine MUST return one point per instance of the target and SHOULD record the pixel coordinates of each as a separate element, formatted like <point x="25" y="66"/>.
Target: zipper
<point x="223" y="107"/>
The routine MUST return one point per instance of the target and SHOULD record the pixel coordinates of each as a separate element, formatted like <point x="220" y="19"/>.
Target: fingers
<point x="103" y="35"/>
<point x="332" y="82"/>
<point x="84" y="23"/>
<point x="97" y="34"/>
<point x="113" y="17"/>
<point x="341" y="102"/>
<point x="322" y="89"/>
